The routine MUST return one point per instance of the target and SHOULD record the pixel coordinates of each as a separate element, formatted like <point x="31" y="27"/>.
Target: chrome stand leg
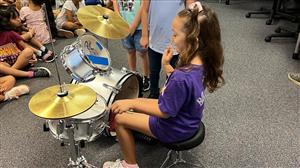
<point x="167" y="158"/>
<point x="76" y="160"/>
<point x="179" y="160"/>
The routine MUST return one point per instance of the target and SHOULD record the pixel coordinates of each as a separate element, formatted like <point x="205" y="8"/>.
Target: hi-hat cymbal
<point x="103" y="22"/>
<point x="47" y="104"/>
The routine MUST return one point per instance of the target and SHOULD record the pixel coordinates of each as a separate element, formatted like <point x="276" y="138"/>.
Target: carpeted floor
<point x="253" y="121"/>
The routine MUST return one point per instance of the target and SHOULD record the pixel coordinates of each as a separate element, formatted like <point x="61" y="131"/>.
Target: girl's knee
<point x="119" y="119"/>
<point x="27" y="52"/>
<point x="11" y="79"/>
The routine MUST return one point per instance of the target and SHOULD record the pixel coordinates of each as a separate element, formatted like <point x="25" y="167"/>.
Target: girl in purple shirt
<point x="177" y="113"/>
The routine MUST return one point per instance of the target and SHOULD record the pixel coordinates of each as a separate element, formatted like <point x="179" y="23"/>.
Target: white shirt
<point x="69" y="5"/>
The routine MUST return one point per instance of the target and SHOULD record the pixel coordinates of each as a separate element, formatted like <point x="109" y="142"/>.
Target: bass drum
<point x="115" y="85"/>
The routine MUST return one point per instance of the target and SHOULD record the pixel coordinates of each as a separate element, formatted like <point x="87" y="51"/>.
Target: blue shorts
<point x="133" y="42"/>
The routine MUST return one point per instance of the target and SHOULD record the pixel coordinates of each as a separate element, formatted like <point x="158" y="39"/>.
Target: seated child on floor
<point x="14" y="52"/>
<point x="8" y="91"/>
<point x="28" y="35"/>
<point x="67" y="18"/>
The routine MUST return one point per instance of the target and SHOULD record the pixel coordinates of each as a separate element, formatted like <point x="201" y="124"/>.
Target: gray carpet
<point x="253" y="121"/>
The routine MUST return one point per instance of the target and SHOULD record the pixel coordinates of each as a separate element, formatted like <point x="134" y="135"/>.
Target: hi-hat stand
<point x="76" y="160"/>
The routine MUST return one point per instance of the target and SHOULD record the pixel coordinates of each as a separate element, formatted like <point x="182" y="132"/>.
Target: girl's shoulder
<point x="187" y="72"/>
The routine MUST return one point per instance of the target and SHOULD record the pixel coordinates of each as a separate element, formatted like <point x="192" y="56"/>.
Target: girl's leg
<point x="7" y="70"/>
<point x="71" y="26"/>
<point x="145" y="62"/>
<point x="132" y="60"/>
<point x="126" y="122"/>
<point x="6" y="83"/>
<point x="23" y="58"/>
<point x="36" y="43"/>
<point x="155" y="66"/>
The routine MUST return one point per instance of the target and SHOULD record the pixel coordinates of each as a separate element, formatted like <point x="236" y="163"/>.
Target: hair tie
<point x="196" y="5"/>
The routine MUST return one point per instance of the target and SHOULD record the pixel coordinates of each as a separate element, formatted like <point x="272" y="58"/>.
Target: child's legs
<point x="132" y="60"/>
<point x="7" y="70"/>
<point x="6" y="83"/>
<point x="155" y="66"/>
<point x="36" y="43"/>
<point x="23" y="58"/>
<point x="126" y="122"/>
<point x="142" y="52"/>
<point x="70" y="26"/>
<point x="128" y="44"/>
<point x="145" y="63"/>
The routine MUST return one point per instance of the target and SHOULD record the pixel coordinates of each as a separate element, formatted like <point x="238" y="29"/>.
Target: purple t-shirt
<point x="182" y="99"/>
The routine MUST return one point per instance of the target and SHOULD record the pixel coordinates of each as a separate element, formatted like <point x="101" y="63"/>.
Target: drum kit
<point x="77" y="113"/>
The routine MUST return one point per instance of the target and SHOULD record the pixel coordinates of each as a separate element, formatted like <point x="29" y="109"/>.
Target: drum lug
<point x="60" y="127"/>
<point x="90" y="130"/>
<point x="116" y="90"/>
<point x="124" y="70"/>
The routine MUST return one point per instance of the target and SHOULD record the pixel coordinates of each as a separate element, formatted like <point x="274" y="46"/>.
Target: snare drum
<point x="85" y="57"/>
<point x="87" y="126"/>
<point x="115" y="85"/>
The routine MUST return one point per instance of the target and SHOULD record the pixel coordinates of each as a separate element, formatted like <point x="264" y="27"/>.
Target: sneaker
<point x="118" y="164"/>
<point x="16" y="92"/>
<point x="65" y="33"/>
<point x="40" y="72"/>
<point x="146" y="84"/>
<point x="47" y="56"/>
<point x="79" y="32"/>
<point x="295" y="78"/>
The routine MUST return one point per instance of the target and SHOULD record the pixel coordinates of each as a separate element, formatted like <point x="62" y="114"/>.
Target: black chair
<point x="178" y="147"/>
<point x="278" y="9"/>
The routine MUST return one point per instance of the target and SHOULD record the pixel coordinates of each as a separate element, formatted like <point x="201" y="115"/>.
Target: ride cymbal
<point x="103" y="22"/>
<point x="47" y="104"/>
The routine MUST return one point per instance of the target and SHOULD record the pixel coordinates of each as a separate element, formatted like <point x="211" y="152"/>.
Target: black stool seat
<point x="196" y="140"/>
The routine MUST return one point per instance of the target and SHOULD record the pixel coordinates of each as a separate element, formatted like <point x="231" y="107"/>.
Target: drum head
<point x="96" y="111"/>
<point x="96" y="54"/>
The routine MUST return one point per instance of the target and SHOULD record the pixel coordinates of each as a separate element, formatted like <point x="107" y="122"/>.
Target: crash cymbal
<point x="103" y="22"/>
<point x="47" y="104"/>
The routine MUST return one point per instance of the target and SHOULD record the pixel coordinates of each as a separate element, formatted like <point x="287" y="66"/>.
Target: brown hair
<point x="203" y="38"/>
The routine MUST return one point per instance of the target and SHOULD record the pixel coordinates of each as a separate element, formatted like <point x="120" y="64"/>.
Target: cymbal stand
<point x="76" y="160"/>
<point x="62" y="92"/>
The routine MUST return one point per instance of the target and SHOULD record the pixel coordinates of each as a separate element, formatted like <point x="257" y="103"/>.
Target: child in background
<point x="14" y="52"/>
<point x="8" y="92"/>
<point x="176" y="115"/>
<point x="157" y="16"/>
<point x="67" y="18"/>
<point x="28" y="35"/>
<point x="34" y="17"/>
<point x="131" y="12"/>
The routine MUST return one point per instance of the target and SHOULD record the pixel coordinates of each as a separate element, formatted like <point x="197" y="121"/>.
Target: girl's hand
<point x="121" y="106"/>
<point x="144" y="41"/>
<point x="33" y="61"/>
<point x="167" y="56"/>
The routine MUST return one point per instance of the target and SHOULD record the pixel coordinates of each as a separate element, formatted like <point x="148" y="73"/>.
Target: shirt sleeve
<point x="173" y="97"/>
<point x="23" y="13"/>
<point x="16" y="38"/>
<point x="68" y="5"/>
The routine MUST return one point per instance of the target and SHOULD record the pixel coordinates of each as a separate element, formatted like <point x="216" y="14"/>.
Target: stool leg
<point x="179" y="160"/>
<point x="167" y="158"/>
<point x="296" y="52"/>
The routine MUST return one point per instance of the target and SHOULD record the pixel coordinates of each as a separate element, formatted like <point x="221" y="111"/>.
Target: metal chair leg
<point x="179" y="160"/>
<point x="167" y="158"/>
<point x="297" y="48"/>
